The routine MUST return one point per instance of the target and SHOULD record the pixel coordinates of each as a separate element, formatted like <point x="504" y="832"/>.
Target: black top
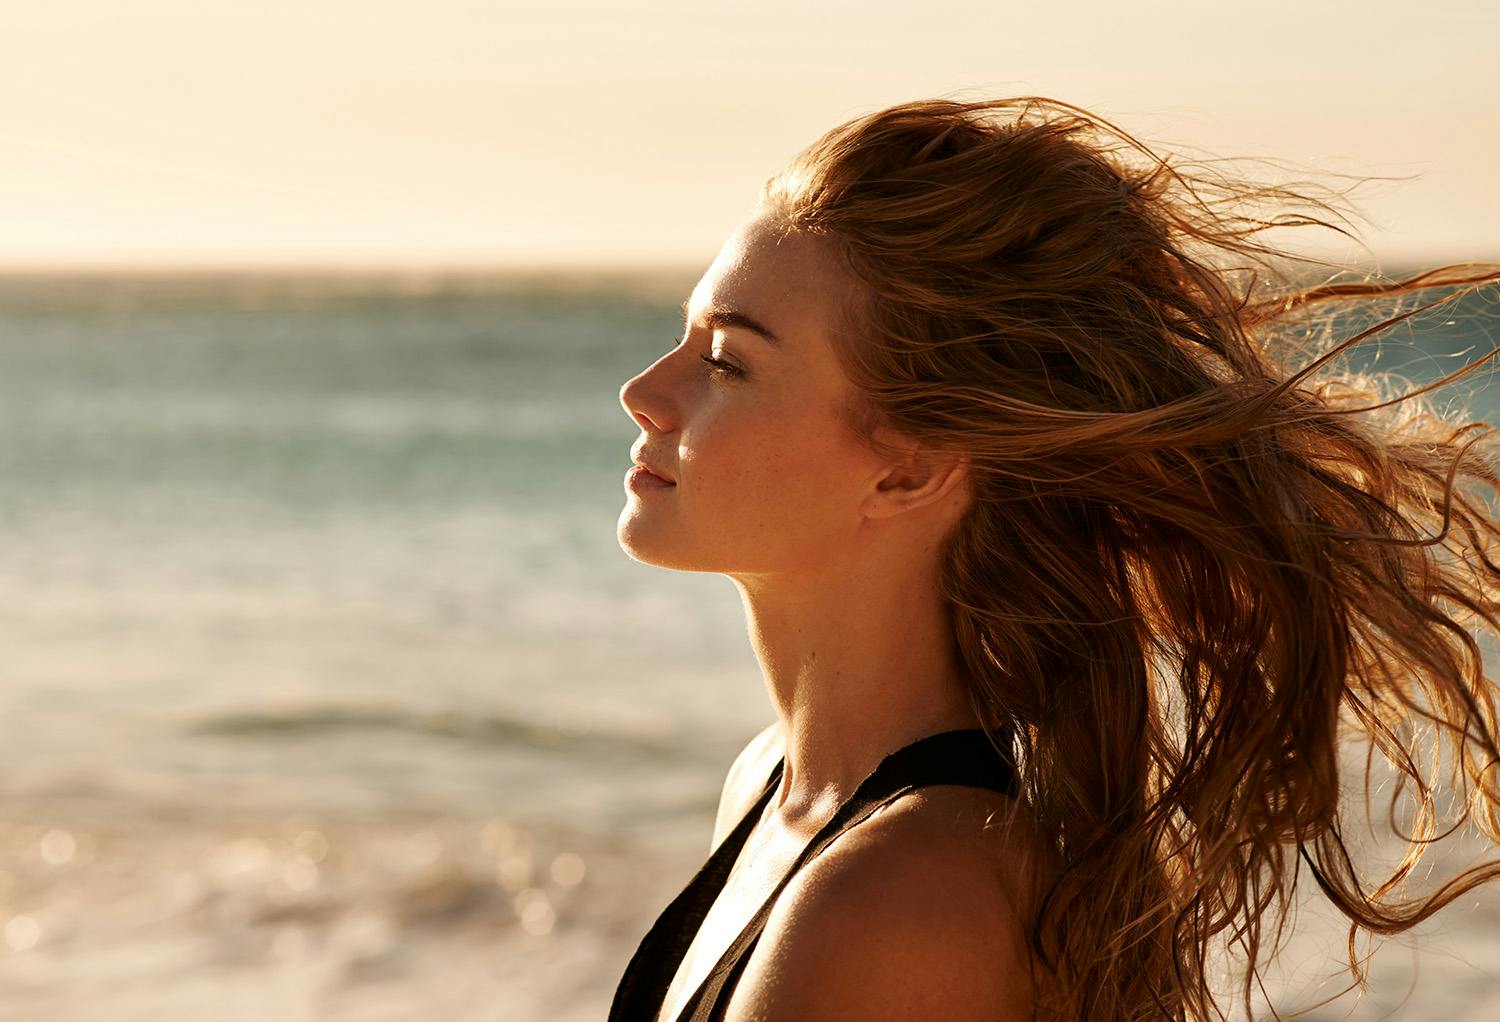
<point x="952" y="757"/>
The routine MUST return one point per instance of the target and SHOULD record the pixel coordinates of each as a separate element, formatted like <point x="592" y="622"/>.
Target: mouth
<point x="642" y="466"/>
<point x="642" y="478"/>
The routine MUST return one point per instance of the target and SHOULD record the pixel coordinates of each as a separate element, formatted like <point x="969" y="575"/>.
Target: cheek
<point x="776" y="478"/>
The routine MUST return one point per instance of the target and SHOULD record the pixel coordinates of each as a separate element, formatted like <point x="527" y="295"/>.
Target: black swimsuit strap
<point x="963" y="757"/>
<point x="644" y="985"/>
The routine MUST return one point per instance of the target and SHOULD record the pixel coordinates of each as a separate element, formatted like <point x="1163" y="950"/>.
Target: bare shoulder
<point x="746" y="778"/>
<point x="920" y="912"/>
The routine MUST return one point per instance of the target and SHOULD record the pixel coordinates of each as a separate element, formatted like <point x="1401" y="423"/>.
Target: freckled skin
<point x="835" y="551"/>
<point x="766" y="469"/>
<point x="834" y="547"/>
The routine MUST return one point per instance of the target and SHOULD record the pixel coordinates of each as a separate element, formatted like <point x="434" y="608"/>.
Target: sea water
<point x="327" y="690"/>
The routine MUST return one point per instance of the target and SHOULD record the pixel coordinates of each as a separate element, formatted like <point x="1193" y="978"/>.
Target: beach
<point x="329" y="693"/>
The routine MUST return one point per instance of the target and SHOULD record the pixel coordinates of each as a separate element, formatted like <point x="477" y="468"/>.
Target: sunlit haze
<point x="376" y="133"/>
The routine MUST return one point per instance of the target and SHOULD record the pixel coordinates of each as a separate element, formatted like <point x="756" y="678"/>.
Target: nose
<point x="642" y="401"/>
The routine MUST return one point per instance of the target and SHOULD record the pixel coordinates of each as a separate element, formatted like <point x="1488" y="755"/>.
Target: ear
<point x="919" y="477"/>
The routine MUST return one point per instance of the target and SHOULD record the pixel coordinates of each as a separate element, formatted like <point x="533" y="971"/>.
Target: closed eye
<point x="717" y="366"/>
<point x="723" y="368"/>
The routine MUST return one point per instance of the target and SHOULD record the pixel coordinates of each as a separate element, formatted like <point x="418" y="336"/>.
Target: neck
<point x="852" y="679"/>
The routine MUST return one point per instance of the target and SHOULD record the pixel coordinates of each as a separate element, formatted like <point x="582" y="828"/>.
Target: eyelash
<point x="716" y="365"/>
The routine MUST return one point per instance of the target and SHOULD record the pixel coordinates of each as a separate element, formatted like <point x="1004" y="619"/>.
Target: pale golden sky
<point x="460" y="132"/>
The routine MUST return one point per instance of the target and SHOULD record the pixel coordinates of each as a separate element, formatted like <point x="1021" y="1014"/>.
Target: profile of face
<point x="769" y="477"/>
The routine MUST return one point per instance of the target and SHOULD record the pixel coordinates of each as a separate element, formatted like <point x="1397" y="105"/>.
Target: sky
<point x="584" y="133"/>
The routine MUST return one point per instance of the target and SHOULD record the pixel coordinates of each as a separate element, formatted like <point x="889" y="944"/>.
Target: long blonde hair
<point x="1184" y="565"/>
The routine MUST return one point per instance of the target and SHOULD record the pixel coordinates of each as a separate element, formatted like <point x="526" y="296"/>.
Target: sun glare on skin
<point x="768" y="476"/>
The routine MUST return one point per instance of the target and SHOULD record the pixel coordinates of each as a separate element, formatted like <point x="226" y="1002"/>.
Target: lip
<point x="643" y="466"/>
<point x="642" y="478"/>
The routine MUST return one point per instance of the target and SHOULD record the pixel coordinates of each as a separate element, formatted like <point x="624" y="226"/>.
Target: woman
<point x="1062" y="581"/>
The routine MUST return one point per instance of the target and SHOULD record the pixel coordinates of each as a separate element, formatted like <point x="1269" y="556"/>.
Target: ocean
<point x="328" y="692"/>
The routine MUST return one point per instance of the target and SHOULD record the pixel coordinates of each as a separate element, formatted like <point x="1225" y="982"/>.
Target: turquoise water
<point x="348" y="508"/>
<point x="332" y="554"/>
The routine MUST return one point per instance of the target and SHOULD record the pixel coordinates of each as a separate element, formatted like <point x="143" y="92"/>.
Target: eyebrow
<point x="716" y="318"/>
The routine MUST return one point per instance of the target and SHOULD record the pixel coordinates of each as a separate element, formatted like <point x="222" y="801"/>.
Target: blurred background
<point x="327" y="692"/>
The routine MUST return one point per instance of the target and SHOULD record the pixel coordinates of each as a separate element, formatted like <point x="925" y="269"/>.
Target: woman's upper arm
<point x="746" y="779"/>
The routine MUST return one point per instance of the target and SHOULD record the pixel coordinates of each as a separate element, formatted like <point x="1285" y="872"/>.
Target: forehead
<point x="789" y="281"/>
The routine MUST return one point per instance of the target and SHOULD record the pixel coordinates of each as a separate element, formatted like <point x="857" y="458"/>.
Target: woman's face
<point x="768" y="476"/>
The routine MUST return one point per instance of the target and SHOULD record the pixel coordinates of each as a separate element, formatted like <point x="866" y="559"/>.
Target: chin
<point x="658" y="547"/>
<point x="641" y="542"/>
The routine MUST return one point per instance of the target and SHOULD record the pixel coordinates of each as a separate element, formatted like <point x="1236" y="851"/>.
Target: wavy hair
<point x="1187" y="572"/>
